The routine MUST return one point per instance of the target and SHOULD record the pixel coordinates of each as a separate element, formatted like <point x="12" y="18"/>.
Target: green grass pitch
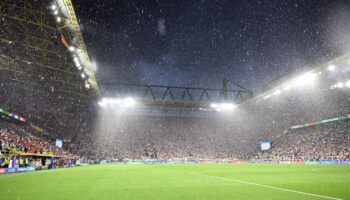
<point x="219" y="181"/>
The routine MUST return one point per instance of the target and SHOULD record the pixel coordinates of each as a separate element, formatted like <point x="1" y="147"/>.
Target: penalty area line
<point x="265" y="186"/>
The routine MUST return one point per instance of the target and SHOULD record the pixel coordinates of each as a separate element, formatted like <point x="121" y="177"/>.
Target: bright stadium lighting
<point x="83" y="75"/>
<point x="115" y="101"/>
<point x="340" y="85"/>
<point x="53" y="7"/>
<point x="59" y="19"/>
<point x="77" y="63"/>
<point x="267" y="96"/>
<point x="228" y="106"/>
<point x="214" y="105"/>
<point x="103" y="102"/>
<point x="71" y="48"/>
<point x="331" y="67"/>
<point x="55" y="12"/>
<point x="223" y="106"/>
<point x="347" y="84"/>
<point x="277" y="92"/>
<point x="304" y="79"/>
<point x="286" y="88"/>
<point x="94" y="65"/>
<point x="128" y="102"/>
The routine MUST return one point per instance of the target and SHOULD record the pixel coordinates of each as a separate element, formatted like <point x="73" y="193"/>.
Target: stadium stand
<point x="38" y="76"/>
<point x="40" y="80"/>
<point x="327" y="142"/>
<point x="21" y="148"/>
<point x="164" y="138"/>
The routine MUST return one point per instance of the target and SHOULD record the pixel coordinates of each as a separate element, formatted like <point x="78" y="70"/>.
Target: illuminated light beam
<point x="214" y="105"/>
<point x="228" y="106"/>
<point x="223" y="106"/>
<point x="129" y="102"/>
<point x="286" y="88"/>
<point x="331" y="68"/>
<point x="277" y="92"/>
<point x="304" y="79"/>
<point x="340" y="85"/>
<point x="267" y="96"/>
<point x="126" y="102"/>
<point x="347" y="84"/>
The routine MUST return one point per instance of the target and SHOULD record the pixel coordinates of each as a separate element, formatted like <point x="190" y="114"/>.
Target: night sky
<point x="197" y="43"/>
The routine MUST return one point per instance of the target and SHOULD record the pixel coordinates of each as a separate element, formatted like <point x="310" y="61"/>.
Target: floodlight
<point x="87" y="85"/>
<point x="214" y="105"/>
<point x="115" y="101"/>
<point x="287" y="87"/>
<point x="59" y="19"/>
<point x="228" y="106"/>
<point x="340" y="85"/>
<point x="223" y="106"/>
<point x="71" y="48"/>
<point x="128" y="102"/>
<point x="55" y="12"/>
<point x="277" y="92"/>
<point x="306" y="78"/>
<point x="347" y="84"/>
<point x="331" y="67"/>
<point x="76" y="61"/>
<point x="103" y="102"/>
<point x="83" y="75"/>
<point x="267" y="96"/>
<point x="53" y="7"/>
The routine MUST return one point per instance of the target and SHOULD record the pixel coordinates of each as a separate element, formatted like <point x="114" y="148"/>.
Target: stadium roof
<point x="70" y="27"/>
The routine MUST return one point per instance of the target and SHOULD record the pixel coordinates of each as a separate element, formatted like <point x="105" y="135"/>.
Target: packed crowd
<point x="15" y="140"/>
<point x="327" y="142"/>
<point x="21" y="148"/>
<point x="164" y="138"/>
<point x="47" y="89"/>
<point x="234" y="136"/>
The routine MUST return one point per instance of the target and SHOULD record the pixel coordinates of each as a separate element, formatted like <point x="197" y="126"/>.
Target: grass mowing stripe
<point x="266" y="186"/>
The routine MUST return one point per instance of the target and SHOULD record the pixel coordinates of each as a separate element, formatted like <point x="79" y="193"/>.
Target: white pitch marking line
<point x="266" y="186"/>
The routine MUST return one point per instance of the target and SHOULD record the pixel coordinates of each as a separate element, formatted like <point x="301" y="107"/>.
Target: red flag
<point x="64" y="41"/>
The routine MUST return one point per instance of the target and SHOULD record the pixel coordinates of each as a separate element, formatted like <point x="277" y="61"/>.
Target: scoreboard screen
<point x="59" y="143"/>
<point x="265" y="145"/>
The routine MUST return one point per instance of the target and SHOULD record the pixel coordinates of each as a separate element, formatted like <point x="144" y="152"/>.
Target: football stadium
<point x="127" y="99"/>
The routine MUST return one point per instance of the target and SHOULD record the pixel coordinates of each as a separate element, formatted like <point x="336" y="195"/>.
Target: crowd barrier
<point x="105" y="162"/>
<point x="16" y="170"/>
<point x="307" y="162"/>
<point x="285" y="162"/>
<point x="199" y="161"/>
<point x="329" y="162"/>
<point x="30" y="169"/>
